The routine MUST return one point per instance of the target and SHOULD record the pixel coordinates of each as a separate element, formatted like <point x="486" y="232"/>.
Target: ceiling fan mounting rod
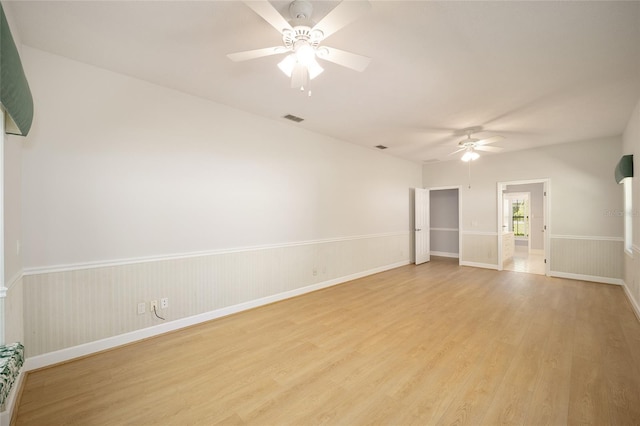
<point x="300" y="9"/>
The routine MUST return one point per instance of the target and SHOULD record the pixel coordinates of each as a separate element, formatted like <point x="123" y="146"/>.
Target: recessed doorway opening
<point x="522" y="222"/>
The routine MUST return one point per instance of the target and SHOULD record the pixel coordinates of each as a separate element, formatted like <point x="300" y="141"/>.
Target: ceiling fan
<point x="302" y="39"/>
<point x="470" y="146"/>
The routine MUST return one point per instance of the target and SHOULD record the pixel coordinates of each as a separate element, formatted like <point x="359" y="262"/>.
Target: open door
<point x="421" y="225"/>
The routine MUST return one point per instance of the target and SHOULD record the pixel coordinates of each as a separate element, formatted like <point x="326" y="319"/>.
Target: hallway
<point x="523" y="261"/>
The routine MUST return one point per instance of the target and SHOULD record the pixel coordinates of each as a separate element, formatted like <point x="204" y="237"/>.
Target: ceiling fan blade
<point x="344" y="13"/>
<point x="257" y="53"/>
<point x="458" y="150"/>
<point x="344" y="58"/>
<point x="488" y="148"/>
<point x="492" y="139"/>
<point x="269" y="14"/>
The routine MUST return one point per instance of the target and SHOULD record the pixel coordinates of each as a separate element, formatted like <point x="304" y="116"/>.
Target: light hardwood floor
<point x="524" y="261"/>
<point x="429" y="344"/>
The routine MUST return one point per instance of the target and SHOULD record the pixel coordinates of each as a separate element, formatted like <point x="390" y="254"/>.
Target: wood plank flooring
<point x="429" y="344"/>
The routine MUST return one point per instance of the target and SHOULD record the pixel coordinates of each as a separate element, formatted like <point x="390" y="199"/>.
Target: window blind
<point x="624" y="169"/>
<point x="15" y="95"/>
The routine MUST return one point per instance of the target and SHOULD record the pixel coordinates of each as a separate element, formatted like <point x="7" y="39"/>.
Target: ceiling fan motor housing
<point x="301" y="33"/>
<point x="469" y="142"/>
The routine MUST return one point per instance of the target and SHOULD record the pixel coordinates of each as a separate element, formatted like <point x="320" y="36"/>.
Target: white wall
<point x="117" y="171"/>
<point x="12" y="207"/>
<point x="13" y="304"/>
<point x="583" y="191"/>
<point x="631" y="145"/>
<point x="13" y="318"/>
<point x="117" y="168"/>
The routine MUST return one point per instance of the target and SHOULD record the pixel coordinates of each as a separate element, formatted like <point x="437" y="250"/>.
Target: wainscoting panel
<point x="588" y="256"/>
<point x="632" y="279"/>
<point x="71" y="307"/>
<point x="479" y="248"/>
<point x="13" y="311"/>
<point x="444" y="241"/>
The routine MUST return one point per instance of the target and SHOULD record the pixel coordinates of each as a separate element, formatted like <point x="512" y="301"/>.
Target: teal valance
<point x="15" y="95"/>
<point x="624" y="169"/>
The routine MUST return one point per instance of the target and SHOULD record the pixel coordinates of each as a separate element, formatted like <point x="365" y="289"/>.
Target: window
<point x="628" y="214"/>
<point x="519" y="218"/>
<point x="516" y="214"/>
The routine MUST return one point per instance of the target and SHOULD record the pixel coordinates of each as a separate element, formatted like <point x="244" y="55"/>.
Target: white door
<point x="421" y="225"/>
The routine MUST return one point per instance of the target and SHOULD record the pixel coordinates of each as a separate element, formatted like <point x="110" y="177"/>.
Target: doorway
<point x="436" y="223"/>
<point x="522" y="223"/>
<point x="444" y="223"/>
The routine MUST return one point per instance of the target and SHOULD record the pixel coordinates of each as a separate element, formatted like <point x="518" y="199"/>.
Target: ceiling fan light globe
<point x="314" y="69"/>
<point x="470" y="156"/>
<point x="287" y="64"/>
<point x="305" y="53"/>
<point x="299" y="77"/>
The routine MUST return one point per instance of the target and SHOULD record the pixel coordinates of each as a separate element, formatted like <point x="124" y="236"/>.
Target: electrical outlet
<point x="314" y="272"/>
<point x="164" y="303"/>
<point x="153" y="306"/>
<point x="141" y="308"/>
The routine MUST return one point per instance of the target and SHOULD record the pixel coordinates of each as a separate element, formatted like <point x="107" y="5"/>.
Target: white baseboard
<point x="479" y="265"/>
<point x="581" y="277"/>
<point x="5" y="416"/>
<point x="634" y="304"/>
<point x="444" y="254"/>
<point x="89" y="348"/>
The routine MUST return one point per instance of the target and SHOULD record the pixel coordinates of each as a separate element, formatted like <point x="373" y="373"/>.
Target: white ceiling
<point x="537" y="73"/>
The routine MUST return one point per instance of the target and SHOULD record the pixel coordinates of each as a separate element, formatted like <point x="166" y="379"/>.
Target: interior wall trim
<point x="634" y="304"/>
<point x="492" y="233"/>
<point x="146" y="259"/>
<point x="479" y="265"/>
<point x="66" y="354"/>
<point x="11" y="282"/>
<point x="445" y="254"/>
<point x="591" y="278"/>
<point x="586" y="237"/>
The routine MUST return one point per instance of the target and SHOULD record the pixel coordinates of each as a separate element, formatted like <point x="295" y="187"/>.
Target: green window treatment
<point x="624" y="168"/>
<point x="15" y="95"/>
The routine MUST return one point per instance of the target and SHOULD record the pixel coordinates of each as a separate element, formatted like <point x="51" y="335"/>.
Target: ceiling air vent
<point x="293" y="118"/>
<point x="381" y="147"/>
<point x="431" y="160"/>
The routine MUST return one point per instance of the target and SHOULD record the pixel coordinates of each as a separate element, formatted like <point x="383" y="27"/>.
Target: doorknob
<point x="418" y="230"/>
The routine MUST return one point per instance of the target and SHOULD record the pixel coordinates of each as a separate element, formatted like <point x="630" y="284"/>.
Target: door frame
<point x="442" y="188"/>
<point x="546" y="208"/>
<point x="424" y="229"/>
